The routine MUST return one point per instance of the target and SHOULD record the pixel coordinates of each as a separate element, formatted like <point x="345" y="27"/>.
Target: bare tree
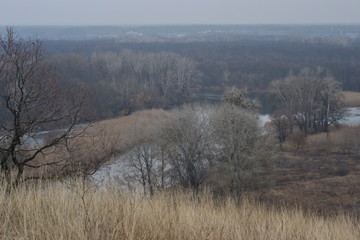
<point x="190" y="149"/>
<point x="331" y="103"/>
<point x="283" y="91"/>
<point x="281" y="125"/>
<point x="192" y="142"/>
<point x="185" y="73"/>
<point x="142" y="80"/>
<point x="32" y="102"/>
<point x="312" y="98"/>
<point x="145" y="160"/>
<point x="237" y="134"/>
<point x="86" y="154"/>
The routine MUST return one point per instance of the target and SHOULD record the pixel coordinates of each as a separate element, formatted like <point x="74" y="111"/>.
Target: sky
<point x="144" y="12"/>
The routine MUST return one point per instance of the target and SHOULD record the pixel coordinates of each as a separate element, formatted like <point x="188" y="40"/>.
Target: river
<point x="353" y="116"/>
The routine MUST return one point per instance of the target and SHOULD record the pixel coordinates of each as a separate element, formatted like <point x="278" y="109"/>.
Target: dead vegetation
<point x="343" y="140"/>
<point x="73" y="210"/>
<point x="351" y="99"/>
<point x="322" y="175"/>
<point x="94" y="147"/>
<point x="319" y="176"/>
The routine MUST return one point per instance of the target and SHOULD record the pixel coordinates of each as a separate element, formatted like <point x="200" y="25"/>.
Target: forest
<point x="251" y="64"/>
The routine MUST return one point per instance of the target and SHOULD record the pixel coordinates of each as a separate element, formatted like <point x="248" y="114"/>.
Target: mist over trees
<point x="251" y="64"/>
<point x="127" y="81"/>
<point x="123" y="76"/>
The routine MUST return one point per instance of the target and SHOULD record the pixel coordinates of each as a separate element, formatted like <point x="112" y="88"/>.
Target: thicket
<point x="216" y="146"/>
<point x="122" y="77"/>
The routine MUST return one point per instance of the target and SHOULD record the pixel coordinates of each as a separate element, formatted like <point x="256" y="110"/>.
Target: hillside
<point x="74" y="210"/>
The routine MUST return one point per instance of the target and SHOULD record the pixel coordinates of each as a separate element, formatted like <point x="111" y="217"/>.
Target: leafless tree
<point x="194" y="141"/>
<point x="331" y="103"/>
<point x="144" y="79"/>
<point x="190" y="149"/>
<point x="145" y="161"/>
<point x="281" y="125"/>
<point x="283" y="94"/>
<point x="312" y="98"/>
<point x="84" y="155"/>
<point x="238" y="138"/>
<point x="32" y="103"/>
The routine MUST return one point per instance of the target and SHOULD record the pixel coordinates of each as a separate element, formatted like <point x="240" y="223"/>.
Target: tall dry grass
<point x="346" y="140"/>
<point x="351" y="99"/>
<point x="94" y="145"/>
<point x="79" y="211"/>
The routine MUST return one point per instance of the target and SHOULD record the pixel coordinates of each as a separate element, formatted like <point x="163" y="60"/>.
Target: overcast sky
<point x="118" y="12"/>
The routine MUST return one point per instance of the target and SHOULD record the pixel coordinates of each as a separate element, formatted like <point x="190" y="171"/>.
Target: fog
<point x="114" y="12"/>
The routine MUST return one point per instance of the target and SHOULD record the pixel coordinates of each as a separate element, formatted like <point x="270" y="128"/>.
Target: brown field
<point x="75" y="210"/>
<point x="325" y="183"/>
<point x="323" y="175"/>
<point x="351" y="99"/>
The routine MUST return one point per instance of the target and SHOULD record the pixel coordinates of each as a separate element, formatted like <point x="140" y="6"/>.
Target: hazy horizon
<point x="181" y="24"/>
<point x="185" y="12"/>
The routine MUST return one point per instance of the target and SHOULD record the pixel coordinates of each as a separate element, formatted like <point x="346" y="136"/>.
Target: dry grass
<point x="119" y="126"/>
<point x="321" y="177"/>
<point x="96" y="143"/>
<point x="345" y="140"/>
<point x="122" y="123"/>
<point x="75" y="211"/>
<point x="321" y="142"/>
<point x="351" y="99"/>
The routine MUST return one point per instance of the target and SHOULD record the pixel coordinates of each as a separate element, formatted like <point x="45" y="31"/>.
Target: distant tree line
<point x="126" y="81"/>
<point x="243" y="63"/>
